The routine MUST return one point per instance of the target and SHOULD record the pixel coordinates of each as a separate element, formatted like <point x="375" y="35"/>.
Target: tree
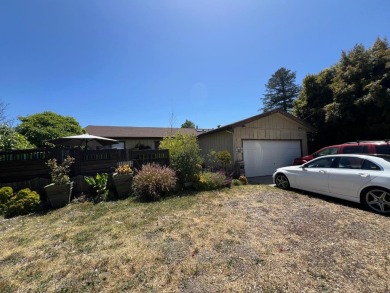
<point x="350" y="100"/>
<point x="281" y="90"/>
<point x="315" y="94"/>
<point x="172" y="122"/>
<point x="11" y="140"/>
<point x="3" y="117"/>
<point x="184" y="155"/>
<point x="188" y="124"/>
<point x="38" y="128"/>
<point x="361" y="88"/>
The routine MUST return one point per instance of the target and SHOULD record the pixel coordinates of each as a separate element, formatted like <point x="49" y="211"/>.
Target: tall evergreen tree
<point x="351" y="100"/>
<point x="281" y="90"/>
<point x="188" y="124"/>
<point x="315" y="94"/>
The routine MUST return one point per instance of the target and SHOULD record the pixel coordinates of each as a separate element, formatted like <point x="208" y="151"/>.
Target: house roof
<point x="160" y="132"/>
<point x="136" y="132"/>
<point x="254" y="118"/>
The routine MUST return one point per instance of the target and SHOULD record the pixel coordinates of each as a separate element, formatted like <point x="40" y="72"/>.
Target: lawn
<point x="245" y="239"/>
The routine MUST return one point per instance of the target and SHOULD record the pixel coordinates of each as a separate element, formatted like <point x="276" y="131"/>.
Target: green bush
<point x="224" y="158"/>
<point x="210" y="181"/>
<point x="22" y="203"/>
<point x="184" y="155"/>
<point x="236" y="182"/>
<point x="5" y="194"/>
<point x="154" y="181"/>
<point x="218" y="160"/>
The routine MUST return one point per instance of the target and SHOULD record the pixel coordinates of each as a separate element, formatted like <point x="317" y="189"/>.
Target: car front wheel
<point x="281" y="181"/>
<point x="377" y="199"/>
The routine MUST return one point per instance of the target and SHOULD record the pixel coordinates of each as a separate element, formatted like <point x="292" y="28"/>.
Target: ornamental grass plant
<point x="154" y="182"/>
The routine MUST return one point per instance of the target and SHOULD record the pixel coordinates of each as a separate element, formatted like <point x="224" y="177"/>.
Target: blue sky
<point x="140" y="63"/>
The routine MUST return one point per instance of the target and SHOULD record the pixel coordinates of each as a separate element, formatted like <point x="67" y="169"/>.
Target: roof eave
<point x="253" y="118"/>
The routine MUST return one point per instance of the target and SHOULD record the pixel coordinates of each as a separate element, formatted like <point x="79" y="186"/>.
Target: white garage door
<point x="263" y="157"/>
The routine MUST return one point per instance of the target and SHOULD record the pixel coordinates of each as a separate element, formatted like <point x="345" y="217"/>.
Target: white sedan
<point x="357" y="178"/>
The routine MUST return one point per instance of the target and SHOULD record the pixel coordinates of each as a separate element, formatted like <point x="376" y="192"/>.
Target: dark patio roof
<point x="136" y="132"/>
<point x="253" y="118"/>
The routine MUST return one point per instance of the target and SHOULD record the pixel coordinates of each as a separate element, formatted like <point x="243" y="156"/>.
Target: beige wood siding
<point x="218" y="141"/>
<point x="272" y="127"/>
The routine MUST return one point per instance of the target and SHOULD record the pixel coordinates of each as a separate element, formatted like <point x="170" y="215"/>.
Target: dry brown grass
<point x="244" y="239"/>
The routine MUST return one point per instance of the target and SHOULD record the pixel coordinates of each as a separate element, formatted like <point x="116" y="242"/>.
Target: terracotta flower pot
<point x="59" y="195"/>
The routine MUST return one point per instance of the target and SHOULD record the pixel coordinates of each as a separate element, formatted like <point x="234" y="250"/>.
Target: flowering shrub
<point x="123" y="170"/>
<point x="22" y="203"/>
<point x="154" y="181"/>
<point x="210" y="180"/>
<point x="243" y="180"/>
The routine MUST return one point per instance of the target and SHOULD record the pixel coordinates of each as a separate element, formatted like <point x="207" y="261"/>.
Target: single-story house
<point x="261" y="143"/>
<point x="258" y="145"/>
<point x="136" y="137"/>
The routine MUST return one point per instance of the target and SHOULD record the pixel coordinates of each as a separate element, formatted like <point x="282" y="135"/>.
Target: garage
<point x="263" y="157"/>
<point x="259" y="144"/>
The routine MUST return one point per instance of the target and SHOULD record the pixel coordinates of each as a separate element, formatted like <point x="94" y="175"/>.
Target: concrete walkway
<point x="261" y="180"/>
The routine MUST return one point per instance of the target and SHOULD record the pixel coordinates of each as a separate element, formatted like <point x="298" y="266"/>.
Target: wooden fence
<point x="29" y="165"/>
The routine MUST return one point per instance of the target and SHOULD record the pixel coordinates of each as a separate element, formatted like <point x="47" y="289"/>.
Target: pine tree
<point x="281" y="91"/>
<point x="188" y="124"/>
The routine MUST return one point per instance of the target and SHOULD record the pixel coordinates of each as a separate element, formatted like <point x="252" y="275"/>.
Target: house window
<point x="156" y="144"/>
<point x="119" y="146"/>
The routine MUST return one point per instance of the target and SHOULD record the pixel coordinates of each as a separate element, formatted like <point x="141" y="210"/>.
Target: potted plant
<point x="60" y="190"/>
<point x="123" y="179"/>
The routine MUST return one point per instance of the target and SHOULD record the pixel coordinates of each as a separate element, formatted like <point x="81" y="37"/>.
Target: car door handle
<point x="364" y="175"/>
<point x="322" y="171"/>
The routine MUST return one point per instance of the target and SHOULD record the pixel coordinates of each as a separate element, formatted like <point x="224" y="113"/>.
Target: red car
<point x="360" y="147"/>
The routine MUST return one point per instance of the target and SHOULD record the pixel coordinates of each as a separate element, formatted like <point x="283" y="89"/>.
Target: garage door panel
<point x="262" y="157"/>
